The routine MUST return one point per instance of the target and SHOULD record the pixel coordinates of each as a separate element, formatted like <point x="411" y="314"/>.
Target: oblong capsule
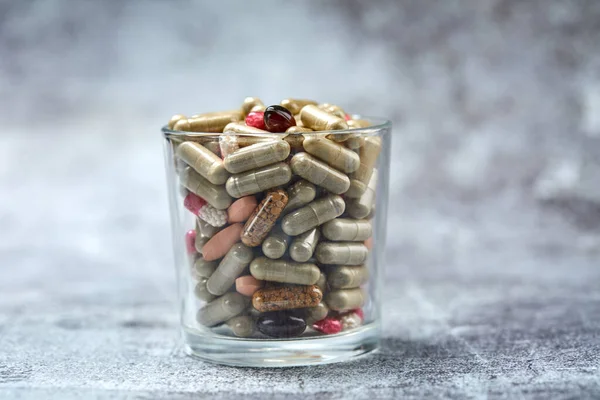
<point x="344" y="253"/>
<point x="205" y="229"/>
<point x="242" y="325"/>
<point x="263" y="217"/>
<point x="256" y="156"/>
<point x="286" y="298"/>
<point x="238" y="127"/>
<point x="347" y="277"/>
<point x="295" y="105"/>
<point x="174" y="120"/>
<point x="199" y="242"/>
<point x="314" y="314"/>
<point x="313" y="214"/>
<point x="218" y="245"/>
<point x="298" y="129"/>
<point x="300" y="194"/>
<point x="215" y="195"/>
<point x="222" y="309"/>
<point x="295" y="140"/>
<point x="249" y="103"/>
<point x="203" y="161"/>
<point x="319" y="120"/>
<point x="303" y="246"/>
<point x="322" y="282"/>
<point x="332" y="153"/>
<point x="284" y="271"/>
<point x="346" y="299"/>
<point x="358" y="123"/>
<point x="362" y="206"/>
<point x="232" y="266"/>
<point x="354" y="141"/>
<point x="347" y="229"/>
<point x="201" y="292"/>
<point x="203" y="268"/>
<point x="209" y="122"/>
<point x="257" y="180"/>
<point x="369" y="153"/>
<point x="276" y="243"/>
<point x="319" y="173"/>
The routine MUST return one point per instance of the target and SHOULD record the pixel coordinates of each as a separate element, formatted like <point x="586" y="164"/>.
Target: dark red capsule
<point x="278" y="119"/>
<point x="256" y="119"/>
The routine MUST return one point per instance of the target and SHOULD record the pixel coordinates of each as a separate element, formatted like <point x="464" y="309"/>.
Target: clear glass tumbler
<point x="279" y="242"/>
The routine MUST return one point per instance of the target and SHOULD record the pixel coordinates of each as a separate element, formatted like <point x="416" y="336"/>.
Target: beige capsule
<point x="361" y="207"/>
<point x="314" y="314"/>
<point x="347" y="229"/>
<point x="222" y="309"/>
<point x="346" y="299"/>
<point x="201" y="292"/>
<point x="358" y="123"/>
<point x="369" y="153"/>
<point x="295" y="140"/>
<point x="242" y="325"/>
<point x="230" y="268"/>
<point x="343" y="253"/>
<point x="258" y="180"/>
<point x="256" y="156"/>
<point x="249" y="103"/>
<point x="332" y="153"/>
<point x="319" y="120"/>
<point x="208" y="122"/>
<point x="284" y="271"/>
<point x="203" y="268"/>
<point x="319" y="173"/>
<point x="239" y="127"/>
<point x="214" y="147"/>
<point x="298" y="129"/>
<point x="214" y="195"/>
<point x="258" y="107"/>
<point x="333" y="109"/>
<point x="300" y="194"/>
<point x="295" y="105"/>
<point x="249" y="140"/>
<point x="313" y="214"/>
<point x="322" y="282"/>
<point x="200" y="242"/>
<point x="174" y="120"/>
<point x="203" y="161"/>
<point x="347" y="277"/>
<point x="303" y="246"/>
<point x="276" y="244"/>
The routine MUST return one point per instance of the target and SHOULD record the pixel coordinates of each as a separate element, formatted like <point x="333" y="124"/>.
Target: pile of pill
<point x="283" y="207"/>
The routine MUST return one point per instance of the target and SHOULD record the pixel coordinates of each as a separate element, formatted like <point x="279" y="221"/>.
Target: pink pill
<point x="247" y="285"/>
<point x="190" y="241"/>
<point x="220" y="244"/>
<point x="241" y="209"/>
<point x="193" y="203"/>
<point x="369" y="243"/>
<point x="328" y="326"/>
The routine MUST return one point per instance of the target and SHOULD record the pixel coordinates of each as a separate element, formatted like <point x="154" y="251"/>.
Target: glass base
<point x="281" y="353"/>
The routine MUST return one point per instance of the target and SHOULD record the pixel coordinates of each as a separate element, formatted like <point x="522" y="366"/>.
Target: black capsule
<point x="281" y="324"/>
<point x="278" y="119"/>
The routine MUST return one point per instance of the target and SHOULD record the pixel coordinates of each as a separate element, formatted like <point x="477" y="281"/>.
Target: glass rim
<point x="379" y="124"/>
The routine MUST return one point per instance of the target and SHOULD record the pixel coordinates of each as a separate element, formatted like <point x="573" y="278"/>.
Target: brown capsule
<point x="286" y="298"/>
<point x="263" y="218"/>
<point x="174" y="120"/>
<point x="207" y="123"/>
<point x="249" y="103"/>
<point x="295" y="105"/>
<point x="319" y="120"/>
<point x="369" y="153"/>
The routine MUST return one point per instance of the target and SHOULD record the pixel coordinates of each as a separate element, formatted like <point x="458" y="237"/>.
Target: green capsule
<point x="346" y="277"/>
<point x="242" y="325"/>
<point x="203" y="161"/>
<point x="319" y="173"/>
<point x="284" y="271"/>
<point x="258" y="180"/>
<point x="204" y="268"/>
<point x="222" y="309"/>
<point x="313" y="214"/>
<point x="369" y="153"/>
<point x="214" y="195"/>
<point x="343" y="253"/>
<point x="201" y="292"/>
<point x="314" y="314"/>
<point x="362" y="206"/>
<point x="332" y="153"/>
<point x="256" y="156"/>
<point x="276" y="244"/>
<point x="347" y="229"/>
<point x="300" y="194"/>
<point x="230" y="268"/>
<point x="303" y="245"/>
<point x="346" y="299"/>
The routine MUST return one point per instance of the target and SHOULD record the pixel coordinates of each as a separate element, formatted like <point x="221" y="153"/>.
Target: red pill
<point x="190" y="241"/>
<point x="278" y="119"/>
<point x="328" y="326"/>
<point x="193" y="203"/>
<point x="347" y="117"/>
<point x="256" y="119"/>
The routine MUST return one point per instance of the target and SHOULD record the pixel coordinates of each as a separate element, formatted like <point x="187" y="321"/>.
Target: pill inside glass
<point x="278" y="215"/>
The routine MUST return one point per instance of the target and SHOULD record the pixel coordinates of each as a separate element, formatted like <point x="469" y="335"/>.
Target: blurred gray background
<point x="494" y="231"/>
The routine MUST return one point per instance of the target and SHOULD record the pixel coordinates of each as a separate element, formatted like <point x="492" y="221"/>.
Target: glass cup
<point x="279" y="242"/>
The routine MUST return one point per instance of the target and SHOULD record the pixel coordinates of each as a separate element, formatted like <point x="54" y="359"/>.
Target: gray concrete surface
<point x="493" y="262"/>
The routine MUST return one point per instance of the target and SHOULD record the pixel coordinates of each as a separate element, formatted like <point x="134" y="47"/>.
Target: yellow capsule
<point x="369" y="153"/>
<point x="257" y="180"/>
<point x="298" y="129"/>
<point x="333" y="109"/>
<point x="207" y="123"/>
<point x="319" y="120"/>
<point x="332" y="153"/>
<point x="174" y="120"/>
<point x="249" y="103"/>
<point x="238" y="127"/>
<point x="203" y="161"/>
<point x="256" y="156"/>
<point x="215" y="195"/>
<point x="319" y="173"/>
<point x="295" y="105"/>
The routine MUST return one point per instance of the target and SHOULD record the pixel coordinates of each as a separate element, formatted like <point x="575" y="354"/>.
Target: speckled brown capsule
<point x="286" y="298"/>
<point x="263" y="217"/>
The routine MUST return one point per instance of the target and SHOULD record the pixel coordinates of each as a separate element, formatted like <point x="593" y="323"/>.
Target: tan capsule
<point x="319" y="173"/>
<point x="344" y="253"/>
<point x="319" y="120"/>
<point x="322" y="282"/>
<point x="256" y="156"/>
<point x="300" y="194"/>
<point x="303" y="246"/>
<point x="298" y="129"/>
<point x="354" y="141"/>
<point x="203" y="161"/>
<point x="346" y="299"/>
<point x="238" y="127"/>
<point x="333" y="109"/>
<point x="361" y="207"/>
<point x="231" y="267"/>
<point x="313" y="214"/>
<point x="201" y="292"/>
<point x="214" y="147"/>
<point x="222" y="309"/>
<point x="295" y="140"/>
<point x="244" y="141"/>
<point x="284" y="271"/>
<point x="276" y="244"/>
<point x="242" y="325"/>
<point x="257" y="180"/>
<point x="174" y="120"/>
<point x="258" y="107"/>
<point x="347" y="277"/>
<point x="295" y="105"/>
<point x="358" y="123"/>
<point x="332" y="153"/>
<point x="214" y="195"/>
<point x="286" y="297"/>
<point x="207" y="123"/>
<point x="369" y="153"/>
<point x="249" y="103"/>
<point x="314" y="314"/>
<point x="263" y="217"/>
<point x="203" y="268"/>
<point x="347" y="229"/>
